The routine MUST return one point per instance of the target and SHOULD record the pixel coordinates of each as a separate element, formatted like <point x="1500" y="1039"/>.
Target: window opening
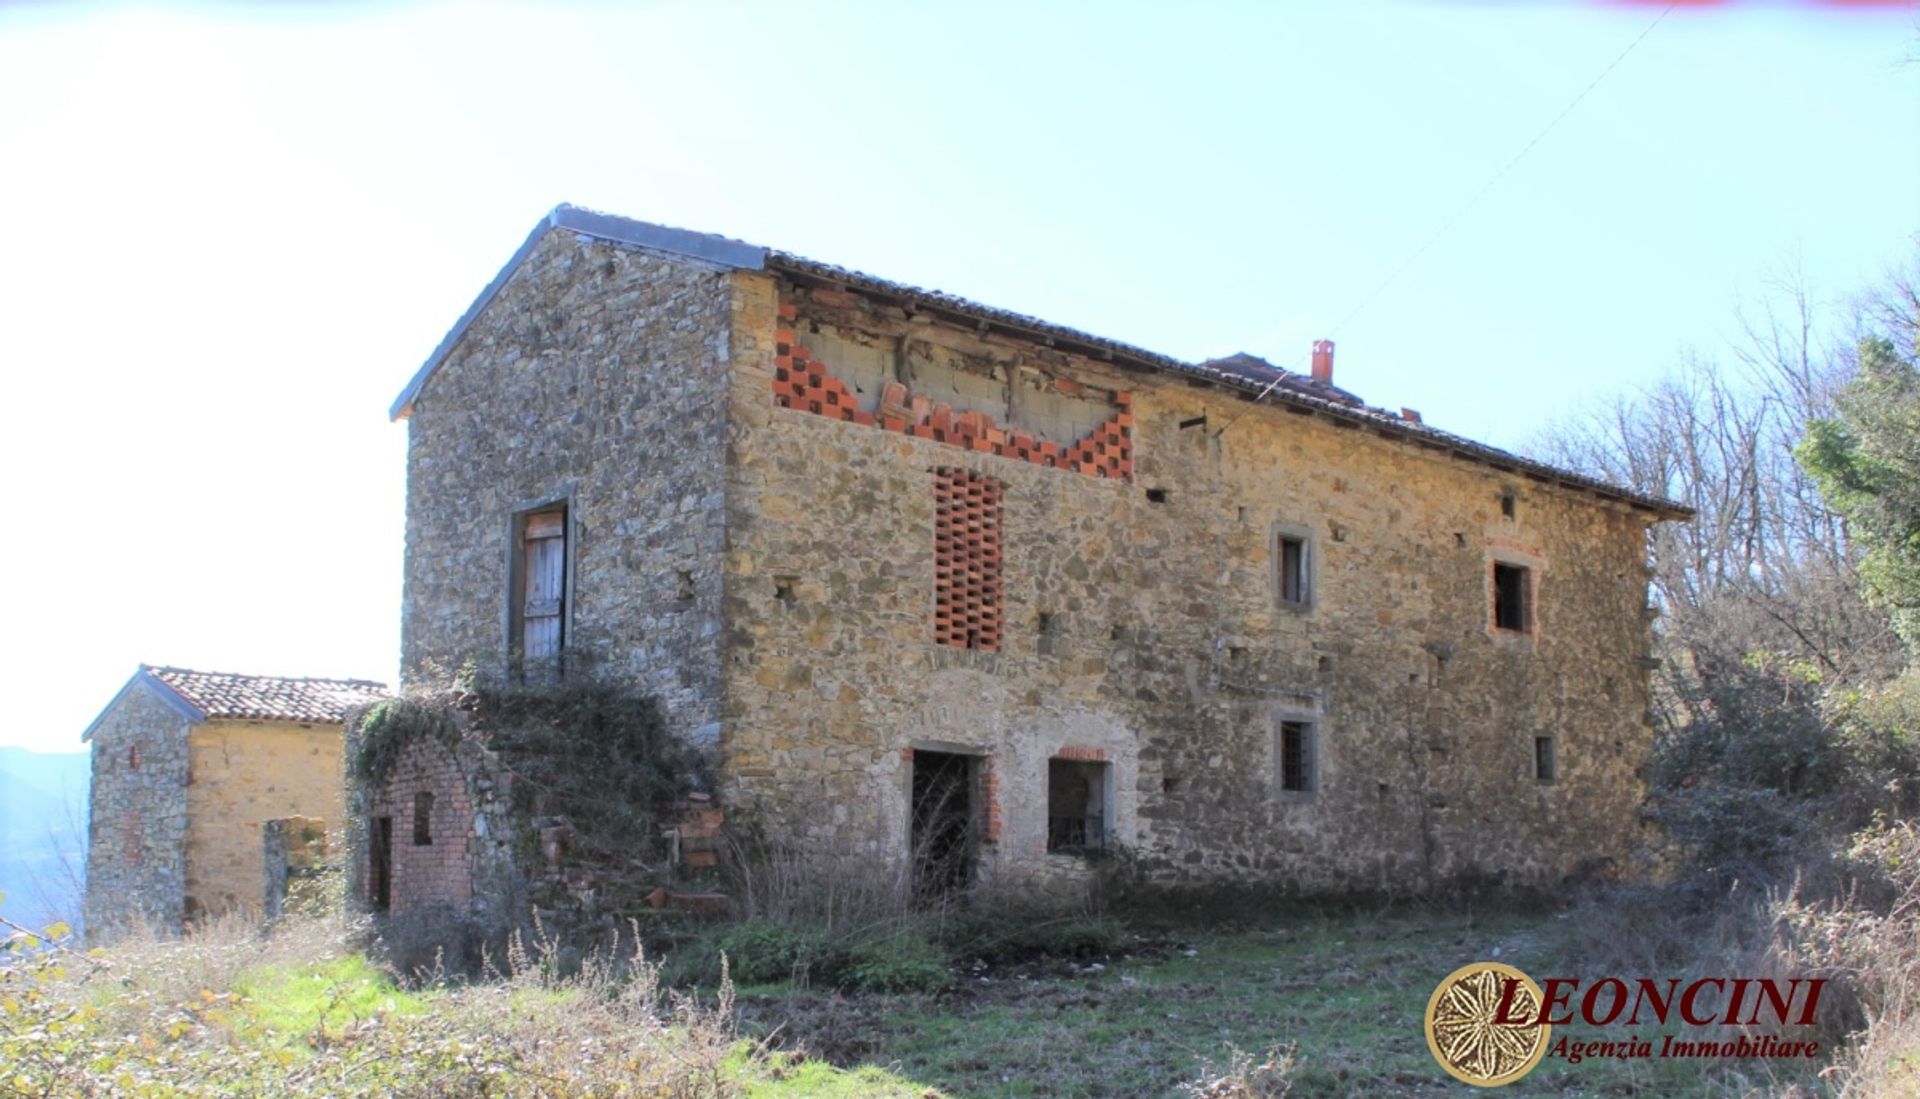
<point x="1510" y="597"/>
<point x="423" y="820"/>
<point x="1076" y="806"/>
<point x="1297" y="756"/>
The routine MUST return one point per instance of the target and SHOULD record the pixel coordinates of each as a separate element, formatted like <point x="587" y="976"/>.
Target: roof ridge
<point x="1342" y="407"/>
<point x="263" y="675"/>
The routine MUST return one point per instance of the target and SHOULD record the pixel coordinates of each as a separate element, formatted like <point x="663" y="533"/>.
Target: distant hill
<point x="43" y="822"/>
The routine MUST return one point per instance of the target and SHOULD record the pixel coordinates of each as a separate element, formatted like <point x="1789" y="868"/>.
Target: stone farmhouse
<point x="938" y="581"/>
<point x="188" y="768"/>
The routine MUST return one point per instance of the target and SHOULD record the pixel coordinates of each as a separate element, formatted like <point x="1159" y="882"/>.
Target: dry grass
<point x="299" y="1012"/>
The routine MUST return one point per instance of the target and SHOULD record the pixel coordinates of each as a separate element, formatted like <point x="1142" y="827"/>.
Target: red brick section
<point x="966" y="560"/>
<point x="803" y="383"/>
<point x="439" y="873"/>
<point x="701" y="823"/>
<point x="1079" y="752"/>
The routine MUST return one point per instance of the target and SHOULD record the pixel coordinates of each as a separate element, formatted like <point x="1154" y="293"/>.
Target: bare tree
<point x="1764" y="574"/>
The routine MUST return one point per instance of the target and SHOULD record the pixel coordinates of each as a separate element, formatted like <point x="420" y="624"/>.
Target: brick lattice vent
<point x="966" y="560"/>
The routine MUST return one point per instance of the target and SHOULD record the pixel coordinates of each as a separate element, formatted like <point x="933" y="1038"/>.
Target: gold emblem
<point x="1464" y="1031"/>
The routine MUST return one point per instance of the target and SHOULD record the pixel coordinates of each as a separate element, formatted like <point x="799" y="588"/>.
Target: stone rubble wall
<point x="137" y="825"/>
<point x="595" y="377"/>
<point x="768" y="570"/>
<point x="294" y="862"/>
<point x="1148" y="628"/>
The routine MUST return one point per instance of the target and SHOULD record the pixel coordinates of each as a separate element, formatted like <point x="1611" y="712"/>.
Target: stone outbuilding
<point x="952" y="588"/>
<point x="187" y="768"/>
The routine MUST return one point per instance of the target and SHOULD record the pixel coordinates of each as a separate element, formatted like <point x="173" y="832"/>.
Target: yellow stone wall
<point x="240" y="775"/>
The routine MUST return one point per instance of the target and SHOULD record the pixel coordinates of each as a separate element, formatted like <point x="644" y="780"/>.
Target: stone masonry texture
<point x="767" y="561"/>
<point x="137" y="818"/>
<point x="595" y="378"/>
<point x="177" y="810"/>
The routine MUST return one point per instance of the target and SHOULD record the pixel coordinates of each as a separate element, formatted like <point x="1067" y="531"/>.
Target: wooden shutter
<point x="544" y="567"/>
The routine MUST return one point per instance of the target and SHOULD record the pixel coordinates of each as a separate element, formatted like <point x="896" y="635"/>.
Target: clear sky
<point x="230" y="233"/>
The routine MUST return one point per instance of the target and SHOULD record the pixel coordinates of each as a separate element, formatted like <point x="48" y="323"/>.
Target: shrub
<point x="1082" y="938"/>
<point x="763" y="953"/>
<point x="897" y="962"/>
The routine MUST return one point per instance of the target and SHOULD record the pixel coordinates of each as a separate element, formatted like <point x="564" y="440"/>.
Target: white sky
<point x="232" y="232"/>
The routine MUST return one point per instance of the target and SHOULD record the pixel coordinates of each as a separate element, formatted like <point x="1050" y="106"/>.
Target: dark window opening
<point x="1296" y="756"/>
<point x="1290" y="557"/>
<point x="1047" y="631"/>
<point x="380" y="864"/>
<point x="1544" y="768"/>
<point x="1076" y="806"/>
<point x="943" y="831"/>
<point x="133" y="758"/>
<point x="538" y="602"/>
<point x="1156" y="496"/>
<point x="423" y="820"/>
<point x="1510" y="597"/>
<point x="1507" y="504"/>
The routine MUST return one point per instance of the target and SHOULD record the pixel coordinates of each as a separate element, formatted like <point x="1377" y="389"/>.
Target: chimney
<point x="1323" y="362"/>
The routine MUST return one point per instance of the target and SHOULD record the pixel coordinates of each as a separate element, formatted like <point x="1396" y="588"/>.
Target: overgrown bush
<point x="598" y="753"/>
<point x="591" y="752"/>
<point x="389" y="726"/>
<point x="899" y="962"/>
<point x="1012" y="935"/>
<point x="1774" y="772"/>
<point x="762" y="953"/>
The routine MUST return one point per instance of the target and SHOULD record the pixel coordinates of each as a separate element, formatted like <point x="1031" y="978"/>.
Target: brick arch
<point x="438" y="873"/>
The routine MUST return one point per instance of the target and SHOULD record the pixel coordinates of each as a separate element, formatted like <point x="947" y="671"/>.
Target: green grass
<point x="1348" y="991"/>
<point x="787" y="1076"/>
<point x="298" y="1005"/>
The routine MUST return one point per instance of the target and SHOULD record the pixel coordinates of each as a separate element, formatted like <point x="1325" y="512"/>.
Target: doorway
<point x="943" y="822"/>
<point x="380" y="864"/>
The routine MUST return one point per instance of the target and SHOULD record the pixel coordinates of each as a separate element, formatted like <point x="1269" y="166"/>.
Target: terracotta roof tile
<point x="268" y="697"/>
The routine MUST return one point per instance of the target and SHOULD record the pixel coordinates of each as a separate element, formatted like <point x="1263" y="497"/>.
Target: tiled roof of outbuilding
<point x="268" y="697"/>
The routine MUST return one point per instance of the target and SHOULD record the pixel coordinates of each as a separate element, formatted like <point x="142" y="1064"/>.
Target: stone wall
<point x="1141" y="621"/>
<point x="242" y="774"/>
<point x="294" y="863"/>
<point x="750" y="469"/>
<point x="593" y="378"/>
<point x="137" y="825"/>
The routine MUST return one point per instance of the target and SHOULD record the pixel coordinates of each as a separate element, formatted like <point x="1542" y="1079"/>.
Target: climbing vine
<point x="392" y="724"/>
<point x="596" y="756"/>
